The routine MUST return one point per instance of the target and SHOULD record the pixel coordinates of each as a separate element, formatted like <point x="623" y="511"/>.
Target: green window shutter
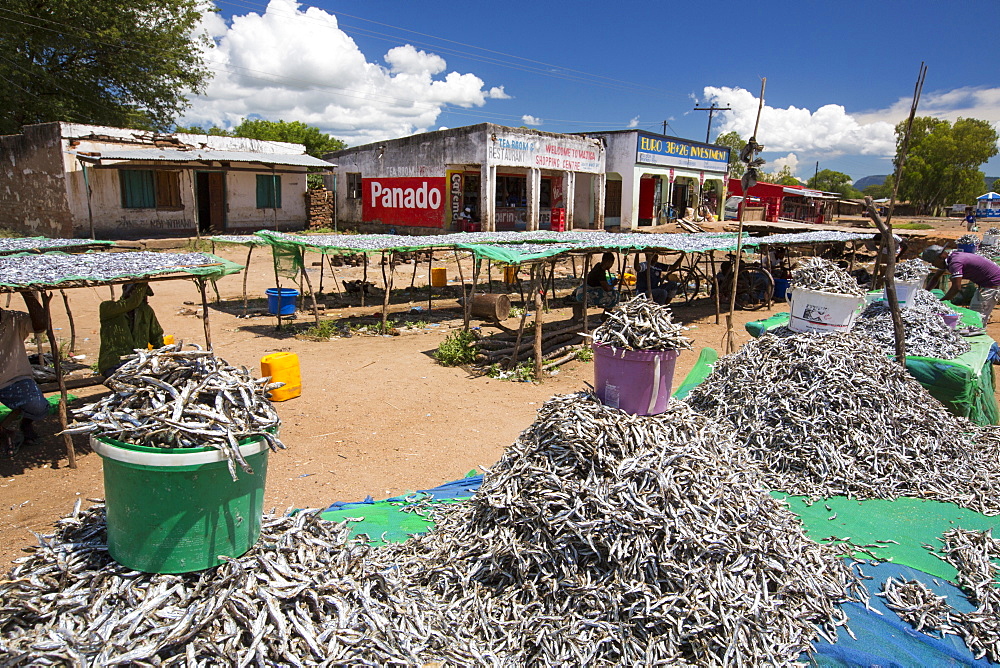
<point x="138" y="191"/>
<point x="268" y="191"/>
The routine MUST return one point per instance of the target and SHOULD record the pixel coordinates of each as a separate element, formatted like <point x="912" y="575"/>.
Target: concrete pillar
<point x="534" y="193"/>
<point x="569" y="196"/>
<point x="488" y="197"/>
<point x="599" y="181"/>
<point x="630" y="199"/>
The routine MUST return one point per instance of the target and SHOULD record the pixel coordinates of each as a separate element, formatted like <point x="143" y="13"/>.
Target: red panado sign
<point x="414" y="201"/>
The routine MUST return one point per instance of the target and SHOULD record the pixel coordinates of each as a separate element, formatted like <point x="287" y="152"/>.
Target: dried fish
<point x="967" y="239"/>
<point x="815" y="273"/>
<point x="600" y="538"/>
<point x="973" y="554"/>
<point x="920" y="607"/>
<point x="830" y="414"/>
<point x="925" y="331"/>
<point x="913" y="270"/>
<point x="34" y="244"/>
<point x="174" y="398"/>
<point x="53" y="268"/>
<point x="640" y="324"/>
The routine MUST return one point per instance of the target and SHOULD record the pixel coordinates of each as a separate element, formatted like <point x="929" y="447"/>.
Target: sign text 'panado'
<point x="413" y="201"/>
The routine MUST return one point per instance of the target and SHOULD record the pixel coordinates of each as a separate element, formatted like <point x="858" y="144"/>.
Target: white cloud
<point x="967" y="102"/>
<point x="298" y="65"/>
<point x="633" y="123"/>
<point x="829" y="131"/>
<point x="791" y="161"/>
<point x="528" y="119"/>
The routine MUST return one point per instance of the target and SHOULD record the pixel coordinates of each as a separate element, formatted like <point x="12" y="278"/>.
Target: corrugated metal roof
<point x="174" y="155"/>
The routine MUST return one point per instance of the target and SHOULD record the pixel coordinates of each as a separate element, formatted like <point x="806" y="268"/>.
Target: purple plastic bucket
<point x="951" y="319"/>
<point x="635" y="381"/>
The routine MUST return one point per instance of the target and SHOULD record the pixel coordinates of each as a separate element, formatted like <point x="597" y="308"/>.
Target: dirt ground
<point x="377" y="416"/>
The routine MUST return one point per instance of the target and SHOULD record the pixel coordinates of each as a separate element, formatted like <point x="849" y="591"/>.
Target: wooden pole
<point x="465" y="296"/>
<point x="890" y="283"/>
<point x="72" y="325"/>
<point x="430" y="281"/>
<point x="204" y="313"/>
<point x="538" y="336"/>
<point x="387" y="283"/>
<point x="57" y="364"/>
<point x="322" y="270"/>
<point x="489" y="275"/>
<point x="475" y="281"/>
<point x="715" y="286"/>
<point x="246" y="272"/>
<point x="586" y="272"/>
<point x="729" y="340"/>
<point x="520" y="330"/>
<point x="277" y="283"/>
<point x="364" y="278"/>
<point x="312" y="294"/>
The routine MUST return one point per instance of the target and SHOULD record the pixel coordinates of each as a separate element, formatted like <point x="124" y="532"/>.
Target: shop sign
<point x="413" y="201"/>
<point x="653" y="150"/>
<point x="556" y="153"/>
<point x="455" y="192"/>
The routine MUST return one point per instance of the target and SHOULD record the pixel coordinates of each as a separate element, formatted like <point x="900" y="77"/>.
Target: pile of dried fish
<point x="28" y="244"/>
<point x="815" y="273"/>
<point x="641" y="324"/>
<point x="913" y="270"/>
<point x="919" y="607"/>
<point x="925" y="332"/>
<point x="604" y="538"/>
<point x="54" y="268"/>
<point x="993" y="232"/>
<point x="967" y="239"/>
<point x="830" y="414"/>
<point x="973" y="553"/>
<point x="174" y="398"/>
<point x="926" y="300"/>
<point x="600" y="538"/>
<point x="303" y="595"/>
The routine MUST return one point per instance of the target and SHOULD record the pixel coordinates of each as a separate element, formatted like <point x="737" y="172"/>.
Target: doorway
<point x="211" y="193"/>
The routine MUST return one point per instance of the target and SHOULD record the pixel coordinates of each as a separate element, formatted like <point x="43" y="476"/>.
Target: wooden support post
<point x="489" y="275"/>
<point x="387" y="283"/>
<point x="466" y="305"/>
<point x="520" y="330"/>
<point x="715" y="286"/>
<point x="333" y="275"/>
<point x="586" y="327"/>
<point x="312" y="293"/>
<point x="538" y="336"/>
<point x="364" y="279"/>
<point x="322" y="270"/>
<point x="72" y="325"/>
<point x="416" y="263"/>
<point x="890" y="283"/>
<point x="430" y="281"/>
<point x="277" y="283"/>
<point x="204" y="313"/>
<point x="246" y="272"/>
<point x="57" y="364"/>
<point x="475" y="282"/>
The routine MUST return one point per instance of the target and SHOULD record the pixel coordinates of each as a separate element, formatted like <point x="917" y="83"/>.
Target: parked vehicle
<point x="732" y="208"/>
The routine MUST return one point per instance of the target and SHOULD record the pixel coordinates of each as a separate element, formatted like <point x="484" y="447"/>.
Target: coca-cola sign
<point x="414" y="201"/>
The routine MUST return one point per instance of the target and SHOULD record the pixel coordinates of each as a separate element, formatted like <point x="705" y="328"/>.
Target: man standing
<point x="126" y="324"/>
<point x="978" y="269"/>
<point x="18" y="389"/>
<point x="971" y="224"/>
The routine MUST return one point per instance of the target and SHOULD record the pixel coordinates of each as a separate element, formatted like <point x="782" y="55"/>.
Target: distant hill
<point x="879" y="179"/>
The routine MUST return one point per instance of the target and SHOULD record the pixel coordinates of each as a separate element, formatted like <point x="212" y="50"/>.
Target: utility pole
<point x="711" y="111"/>
<point x="816" y="176"/>
<point x="664" y="127"/>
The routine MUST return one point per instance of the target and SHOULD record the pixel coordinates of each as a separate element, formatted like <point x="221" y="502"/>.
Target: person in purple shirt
<point x="968" y="266"/>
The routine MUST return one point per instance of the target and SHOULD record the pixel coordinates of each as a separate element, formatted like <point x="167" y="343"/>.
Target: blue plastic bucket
<point x="781" y="289"/>
<point x="967" y="248"/>
<point x="284" y="300"/>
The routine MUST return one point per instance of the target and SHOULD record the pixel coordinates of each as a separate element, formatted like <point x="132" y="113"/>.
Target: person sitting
<point x="18" y="390"/>
<point x="980" y="270"/>
<point x="651" y="278"/>
<point x="600" y="288"/>
<point x="776" y="262"/>
<point x="126" y="324"/>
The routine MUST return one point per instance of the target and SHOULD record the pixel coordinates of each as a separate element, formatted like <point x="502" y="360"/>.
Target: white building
<point x="69" y="180"/>
<point x="652" y="178"/>
<point x="509" y="178"/>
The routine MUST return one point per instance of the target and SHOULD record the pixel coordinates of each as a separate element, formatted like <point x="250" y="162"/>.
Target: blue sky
<point x="839" y="74"/>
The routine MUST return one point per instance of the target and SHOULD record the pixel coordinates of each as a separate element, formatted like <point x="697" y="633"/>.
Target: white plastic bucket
<point x="814" y="311"/>
<point x="905" y="292"/>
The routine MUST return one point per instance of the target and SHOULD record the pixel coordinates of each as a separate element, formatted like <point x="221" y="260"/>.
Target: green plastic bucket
<point x="179" y="510"/>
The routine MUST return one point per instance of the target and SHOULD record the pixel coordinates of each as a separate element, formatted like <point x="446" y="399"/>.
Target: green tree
<point x="736" y="144"/>
<point x="125" y="63"/>
<point x="199" y="130"/>
<point x="996" y="186"/>
<point x="943" y="160"/>
<point x="830" y="181"/>
<point x="878" y="190"/>
<point x="783" y="177"/>
<point x="316" y="142"/>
